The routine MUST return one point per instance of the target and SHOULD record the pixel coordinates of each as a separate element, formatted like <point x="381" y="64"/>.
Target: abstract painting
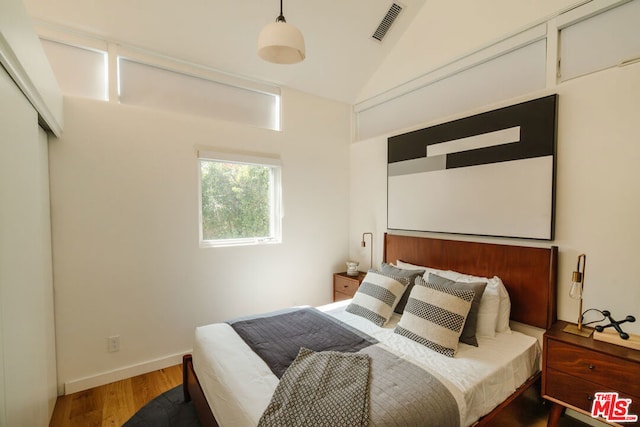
<point x="488" y="174"/>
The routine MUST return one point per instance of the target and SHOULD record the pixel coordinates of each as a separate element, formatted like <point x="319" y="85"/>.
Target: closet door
<point x="27" y="347"/>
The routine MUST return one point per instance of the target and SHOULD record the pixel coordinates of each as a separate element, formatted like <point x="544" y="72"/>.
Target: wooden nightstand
<point x="574" y="368"/>
<point x="344" y="286"/>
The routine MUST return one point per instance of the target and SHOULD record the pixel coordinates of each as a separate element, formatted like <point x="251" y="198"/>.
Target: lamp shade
<point x="281" y="43"/>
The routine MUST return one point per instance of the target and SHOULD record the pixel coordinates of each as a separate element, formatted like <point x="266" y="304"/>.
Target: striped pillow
<point x="377" y="296"/>
<point x="435" y="315"/>
<point x="468" y="335"/>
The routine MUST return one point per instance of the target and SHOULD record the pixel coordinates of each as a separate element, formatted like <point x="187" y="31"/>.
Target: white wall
<point x="597" y="200"/>
<point x="598" y="193"/>
<point x="125" y="230"/>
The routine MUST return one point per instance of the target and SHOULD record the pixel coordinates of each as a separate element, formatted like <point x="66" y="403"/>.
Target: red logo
<point x="612" y="408"/>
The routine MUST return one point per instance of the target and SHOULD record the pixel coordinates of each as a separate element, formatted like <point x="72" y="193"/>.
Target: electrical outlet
<point x="113" y="343"/>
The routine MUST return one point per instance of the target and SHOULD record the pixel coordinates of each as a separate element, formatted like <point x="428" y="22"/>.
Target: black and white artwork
<point x="488" y="174"/>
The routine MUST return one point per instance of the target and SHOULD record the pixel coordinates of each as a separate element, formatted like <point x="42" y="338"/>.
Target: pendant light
<point x="280" y="42"/>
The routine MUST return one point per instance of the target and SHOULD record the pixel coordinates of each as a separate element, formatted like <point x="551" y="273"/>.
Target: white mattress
<point x="239" y="385"/>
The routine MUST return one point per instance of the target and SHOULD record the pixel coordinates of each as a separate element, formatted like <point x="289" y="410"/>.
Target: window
<point x="79" y="71"/>
<point x="153" y="86"/>
<point x="515" y="73"/>
<point x="240" y="199"/>
<point x="600" y="41"/>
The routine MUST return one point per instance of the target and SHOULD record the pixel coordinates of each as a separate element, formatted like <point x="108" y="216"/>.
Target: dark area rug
<point x="167" y="410"/>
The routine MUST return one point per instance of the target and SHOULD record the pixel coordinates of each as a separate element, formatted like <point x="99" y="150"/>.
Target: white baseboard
<point x="584" y="418"/>
<point x="123" y="373"/>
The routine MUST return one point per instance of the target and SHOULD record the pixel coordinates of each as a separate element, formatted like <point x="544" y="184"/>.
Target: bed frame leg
<point x="186" y="361"/>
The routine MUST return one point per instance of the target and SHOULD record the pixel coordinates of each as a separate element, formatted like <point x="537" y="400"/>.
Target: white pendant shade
<point x="281" y="43"/>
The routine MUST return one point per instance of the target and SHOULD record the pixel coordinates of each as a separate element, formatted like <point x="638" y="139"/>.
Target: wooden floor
<point x="113" y="404"/>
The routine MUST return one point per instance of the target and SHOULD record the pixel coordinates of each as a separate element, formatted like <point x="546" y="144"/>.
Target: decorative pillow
<point x="377" y="296"/>
<point x="407" y="266"/>
<point x="435" y="315"/>
<point x="393" y="271"/>
<point x="495" y="289"/>
<point x="468" y="335"/>
<point x="505" y="308"/>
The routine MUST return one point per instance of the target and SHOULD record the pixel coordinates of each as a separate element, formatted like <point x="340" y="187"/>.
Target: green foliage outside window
<point x="235" y="200"/>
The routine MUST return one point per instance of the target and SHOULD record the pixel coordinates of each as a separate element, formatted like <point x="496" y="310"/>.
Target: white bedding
<point x="239" y="385"/>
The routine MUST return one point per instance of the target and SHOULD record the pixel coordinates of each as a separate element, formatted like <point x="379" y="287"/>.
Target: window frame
<point x="275" y="190"/>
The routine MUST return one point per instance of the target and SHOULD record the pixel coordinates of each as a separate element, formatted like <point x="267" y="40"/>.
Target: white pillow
<point x="495" y="288"/>
<point x="505" y="308"/>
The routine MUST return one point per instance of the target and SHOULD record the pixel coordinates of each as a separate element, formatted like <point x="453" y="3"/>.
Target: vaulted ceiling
<point x="222" y="34"/>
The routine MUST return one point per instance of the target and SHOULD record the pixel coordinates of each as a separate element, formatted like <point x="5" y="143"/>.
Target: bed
<point x="230" y="378"/>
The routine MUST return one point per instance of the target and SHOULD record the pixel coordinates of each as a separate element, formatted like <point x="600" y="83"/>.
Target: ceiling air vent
<point x="387" y="21"/>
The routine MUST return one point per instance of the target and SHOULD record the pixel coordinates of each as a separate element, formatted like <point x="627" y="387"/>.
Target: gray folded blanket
<point x="327" y="388"/>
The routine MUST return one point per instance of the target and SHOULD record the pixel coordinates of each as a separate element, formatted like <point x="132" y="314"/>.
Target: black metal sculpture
<point x="615" y="324"/>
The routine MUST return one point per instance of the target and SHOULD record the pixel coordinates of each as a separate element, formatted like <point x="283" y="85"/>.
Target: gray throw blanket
<point x="328" y="388"/>
<point x="277" y="338"/>
<point x="399" y="393"/>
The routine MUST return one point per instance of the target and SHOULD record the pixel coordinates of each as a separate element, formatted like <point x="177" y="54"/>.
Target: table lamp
<point x="577" y="287"/>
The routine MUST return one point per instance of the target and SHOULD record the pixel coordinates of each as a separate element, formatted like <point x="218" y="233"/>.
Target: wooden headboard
<point x="528" y="273"/>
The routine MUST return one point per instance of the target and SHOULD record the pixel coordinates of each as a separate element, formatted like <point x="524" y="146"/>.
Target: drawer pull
<point x="589" y="398"/>
<point x="591" y="367"/>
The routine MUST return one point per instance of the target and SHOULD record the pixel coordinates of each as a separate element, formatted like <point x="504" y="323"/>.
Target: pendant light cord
<point x="281" y="17"/>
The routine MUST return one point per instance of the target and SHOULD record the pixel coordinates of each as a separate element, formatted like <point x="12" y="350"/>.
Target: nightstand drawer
<point x="346" y="286"/>
<point x="609" y="371"/>
<point x="580" y="393"/>
<point x="339" y="296"/>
